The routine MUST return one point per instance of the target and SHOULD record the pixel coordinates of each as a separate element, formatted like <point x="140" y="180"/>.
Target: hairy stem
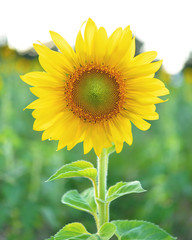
<point x="96" y="196"/>
<point x="103" y="207"/>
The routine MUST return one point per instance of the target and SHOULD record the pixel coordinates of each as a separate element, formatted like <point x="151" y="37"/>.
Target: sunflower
<point x="93" y="94"/>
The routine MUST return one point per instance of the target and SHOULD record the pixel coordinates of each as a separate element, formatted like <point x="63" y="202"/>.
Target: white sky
<point x="163" y="25"/>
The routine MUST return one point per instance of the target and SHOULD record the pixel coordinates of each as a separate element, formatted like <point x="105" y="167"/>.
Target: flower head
<point x="92" y="94"/>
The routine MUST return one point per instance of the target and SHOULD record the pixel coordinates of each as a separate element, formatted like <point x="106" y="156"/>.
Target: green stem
<point x="96" y="196"/>
<point x="96" y="221"/>
<point x="95" y="189"/>
<point x="103" y="207"/>
<point x="107" y="211"/>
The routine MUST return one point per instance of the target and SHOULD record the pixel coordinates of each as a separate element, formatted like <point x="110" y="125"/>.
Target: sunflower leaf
<point x="107" y="231"/>
<point x="72" y="231"/>
<point x="123" y="188"/>
<point x="79" y="168"/>
<point x="84" y="201"/>
<point x="94" y="237"/>
<point x="128" y="230"/>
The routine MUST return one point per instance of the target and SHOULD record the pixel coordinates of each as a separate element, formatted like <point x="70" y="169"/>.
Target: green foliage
<point x="76" y="169"/>
<point x="72" y="231"/>
<point x="129" y="230"/>
<point x="94" y="237"/>
<point x="107" y="231"/>
<point x="76" y="231"/>
<point x="123" y="188"/>
<point x="84" y="201"/>
<point x="124" y="230"/>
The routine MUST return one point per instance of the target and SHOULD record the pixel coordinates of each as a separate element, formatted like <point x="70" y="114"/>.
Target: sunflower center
<point x="94" y="93"/>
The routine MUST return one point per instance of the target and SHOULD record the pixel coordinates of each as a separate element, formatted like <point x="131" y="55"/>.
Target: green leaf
<point x="79" y="168"/>
<point x="107" y="231"/>
<point x="94" y="237"/>
<point x="84" y="201"/>
<point x="140" y="230"/>
<point x="123" y="188"/>
<point x="72" y="231"/>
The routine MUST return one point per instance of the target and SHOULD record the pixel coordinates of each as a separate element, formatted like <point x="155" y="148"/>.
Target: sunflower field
<point x="160" y="159"/>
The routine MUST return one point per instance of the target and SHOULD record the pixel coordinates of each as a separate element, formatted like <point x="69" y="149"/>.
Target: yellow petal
<point x="46" y="102"/>
<point x="55" y="131"/>
<point x="152" y="85"/>
<point x="53" y="62"/>
<point x="144" y="81"/>
<point x="105" y="136"/>
<point x="124" y="48"/>
<point x="42" y="79"/>
<point x="48" y="91"/>
<point x="79" y="132"/>
<point x="142" y="112"/>
<point x="80" y="48"/>
<point x="100" y="44"/>
<point x="138" y="122"/>
<point x="118" y="147"/>
<point x="123" y="129"/>
<point x="44" y="112"/>
<point x="143" y="58"/>
<point x="124" y="62"/>
<point x="115" y="134"/>
<point x="146" y="69"/>
<point x="87" y="144"/>
<point x="134" y="105"/>
<point x="114" y="131"/>
<point x="161" y="92"/>
<point x="90" y="31"/>
<point x="97" y="140"/>
<point x="101" y="140"/>
<point x="112" y="44"/>
<point x="142" y="97"/>
<point x="67" y="127"/>
<point x="43" y="123"/>
<point x="65" y="48"/>
<point x="61" y="144"/>
<point x="151" y="116"/>
<point x="71" y="133"/>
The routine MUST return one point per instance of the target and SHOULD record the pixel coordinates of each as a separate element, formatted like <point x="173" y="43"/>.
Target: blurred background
<point x="160" y="158"/>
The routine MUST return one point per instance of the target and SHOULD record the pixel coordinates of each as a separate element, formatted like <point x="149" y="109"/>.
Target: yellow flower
<point x="92" y="94"/>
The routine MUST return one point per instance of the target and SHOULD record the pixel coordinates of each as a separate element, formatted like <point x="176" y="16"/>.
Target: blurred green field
<point x="160" y="158"/>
